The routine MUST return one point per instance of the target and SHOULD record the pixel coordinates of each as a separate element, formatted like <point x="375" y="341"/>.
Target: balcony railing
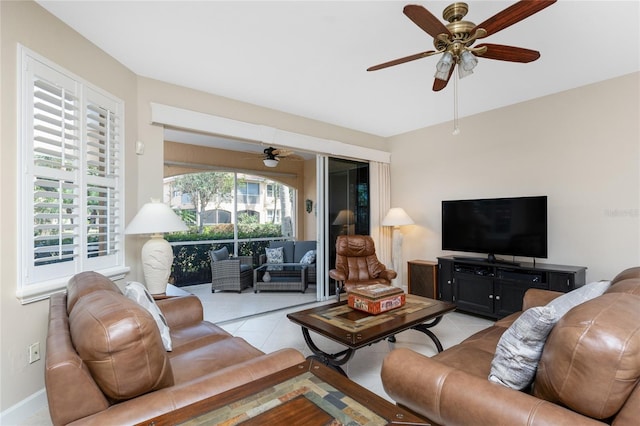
<point x="191" y="263"/>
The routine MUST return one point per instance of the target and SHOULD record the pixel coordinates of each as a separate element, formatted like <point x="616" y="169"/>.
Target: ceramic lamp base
<point x="157" y="258"/>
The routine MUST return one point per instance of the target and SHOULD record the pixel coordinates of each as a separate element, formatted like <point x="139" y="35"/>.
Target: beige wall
<point x="581" y="148"/>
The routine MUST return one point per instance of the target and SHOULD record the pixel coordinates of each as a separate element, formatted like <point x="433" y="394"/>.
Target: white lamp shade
<point x="345" y="217"/>
<point x="155" y="218"/>
<point x="396" y="216"/>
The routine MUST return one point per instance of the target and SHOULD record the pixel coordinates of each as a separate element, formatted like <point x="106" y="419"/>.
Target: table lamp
<point x="397" y="217"/>
<point x="156" y="218"/>
<point x="346" y="219"/>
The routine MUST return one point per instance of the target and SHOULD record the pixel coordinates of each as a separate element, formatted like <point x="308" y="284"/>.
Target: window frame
<point x="97" y="212"/>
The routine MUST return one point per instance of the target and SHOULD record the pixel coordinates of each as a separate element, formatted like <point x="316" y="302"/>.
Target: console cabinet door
<point x="445" y="280"/>
<point x="559" y="281"/>
<point x="474" y="293"/>
<point x="508" y="296"/>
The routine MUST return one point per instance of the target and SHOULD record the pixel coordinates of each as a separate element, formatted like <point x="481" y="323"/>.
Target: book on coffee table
<point x="376" y="298"/>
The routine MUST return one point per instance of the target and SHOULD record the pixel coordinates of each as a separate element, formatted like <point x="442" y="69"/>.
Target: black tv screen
<point x="506" y="226"/>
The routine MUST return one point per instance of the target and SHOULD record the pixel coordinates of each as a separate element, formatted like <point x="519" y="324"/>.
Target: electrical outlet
<point x="34" y="352"/>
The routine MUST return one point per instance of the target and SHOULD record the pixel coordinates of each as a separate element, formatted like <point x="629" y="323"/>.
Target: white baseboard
<point x="23" y="410"/>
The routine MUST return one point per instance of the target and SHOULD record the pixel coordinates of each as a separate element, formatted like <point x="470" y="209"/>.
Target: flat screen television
<point x="506" y="226"/>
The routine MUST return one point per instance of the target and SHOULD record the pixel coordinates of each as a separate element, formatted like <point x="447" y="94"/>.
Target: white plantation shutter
<point x="71" y="138"/>
<point x="102" y="177"/>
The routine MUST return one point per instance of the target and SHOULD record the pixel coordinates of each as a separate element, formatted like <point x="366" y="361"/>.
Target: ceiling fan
<point x="455" y="39"/>
<point x="273" y="155"/>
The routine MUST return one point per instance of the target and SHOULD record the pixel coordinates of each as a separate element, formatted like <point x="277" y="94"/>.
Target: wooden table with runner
<point x="307" y="394"/>
<point x="356" y="329"/>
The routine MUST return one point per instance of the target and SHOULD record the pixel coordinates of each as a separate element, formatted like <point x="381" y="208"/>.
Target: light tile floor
<point x="272" y="331"/>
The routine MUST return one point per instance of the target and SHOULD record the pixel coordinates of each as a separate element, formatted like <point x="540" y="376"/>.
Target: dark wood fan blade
<point x="425" y="20"/>
<point x="513" y="14"/>
<point x="509" y="53"/>
<point x="402" y="60"/>
<point x="441" y="84"/>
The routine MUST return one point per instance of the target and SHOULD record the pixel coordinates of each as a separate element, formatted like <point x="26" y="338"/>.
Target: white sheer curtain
<point x="380" y="194"/>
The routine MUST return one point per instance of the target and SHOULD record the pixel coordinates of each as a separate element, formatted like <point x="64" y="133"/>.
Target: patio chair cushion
<point x="275" y="255"/>
<point x="220" y="254"/>
<point x="309" y="257"/>
<point x="301" y="248"/>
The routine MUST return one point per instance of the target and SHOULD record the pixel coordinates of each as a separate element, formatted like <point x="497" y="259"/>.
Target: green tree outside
<point x="205" y="188"/>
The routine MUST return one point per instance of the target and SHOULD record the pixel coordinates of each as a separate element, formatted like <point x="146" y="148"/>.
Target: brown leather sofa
<point x="589" y="371"/>
<point x="106" y="363"/>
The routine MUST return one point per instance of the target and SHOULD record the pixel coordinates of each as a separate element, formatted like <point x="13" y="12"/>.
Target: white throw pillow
<point x="520" y="347"/>
<point x="139" y="293"/>
<point x="275" y="255"/>
<point x="308" y="258"/>
<point x="564" y="303"/>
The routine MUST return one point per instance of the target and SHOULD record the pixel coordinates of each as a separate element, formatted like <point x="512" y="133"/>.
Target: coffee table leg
<point x="331" y="360"/>
<point x="425" y="329"/>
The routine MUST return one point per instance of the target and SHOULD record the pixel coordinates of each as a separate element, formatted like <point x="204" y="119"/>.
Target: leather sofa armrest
<point x="181" y="311"/>
<point x="153" y="404"/>
<point x="538" y="297"/>
<point x="337" y="275"/>
<point x="388" y="274"/>
<point x="450" y="396"/>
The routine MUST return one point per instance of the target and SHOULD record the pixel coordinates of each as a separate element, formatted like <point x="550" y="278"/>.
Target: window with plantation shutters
<point x="71" y="136"/>
<point x="102" y="176"/>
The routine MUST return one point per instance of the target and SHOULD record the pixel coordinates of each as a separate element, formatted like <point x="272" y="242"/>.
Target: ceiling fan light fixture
<point x="468" y="61"/>
<point x="444" y="66"/>
<point x="462" y="72"/>
<point x="270" y="162"/>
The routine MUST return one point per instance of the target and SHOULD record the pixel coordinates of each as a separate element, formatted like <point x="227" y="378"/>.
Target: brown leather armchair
<point x="357" y="264"/>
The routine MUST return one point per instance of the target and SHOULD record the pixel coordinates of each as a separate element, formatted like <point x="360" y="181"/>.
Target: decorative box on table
<point x="376" y="298"/>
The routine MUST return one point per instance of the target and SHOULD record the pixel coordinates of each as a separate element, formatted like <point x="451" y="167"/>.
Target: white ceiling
<point x="309" y="57"/>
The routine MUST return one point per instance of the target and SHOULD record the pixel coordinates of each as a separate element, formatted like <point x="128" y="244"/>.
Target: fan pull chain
<point x="456" y="129"/>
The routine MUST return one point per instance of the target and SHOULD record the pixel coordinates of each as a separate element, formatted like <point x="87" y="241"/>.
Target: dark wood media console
<point x="495" y="289"/>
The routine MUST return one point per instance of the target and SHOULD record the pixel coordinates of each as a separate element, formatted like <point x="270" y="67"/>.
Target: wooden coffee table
<point x="356" y="329"/>
<point x="306" y="394"/>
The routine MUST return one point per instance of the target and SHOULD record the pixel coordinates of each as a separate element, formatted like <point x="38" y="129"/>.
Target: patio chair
<point x="230" y="273"/>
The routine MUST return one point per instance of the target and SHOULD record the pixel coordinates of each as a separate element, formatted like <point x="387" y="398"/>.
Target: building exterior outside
<point x="255" y="198"/>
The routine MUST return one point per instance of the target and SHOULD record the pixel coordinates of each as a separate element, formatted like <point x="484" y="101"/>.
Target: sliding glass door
<point x="347" y="203"/>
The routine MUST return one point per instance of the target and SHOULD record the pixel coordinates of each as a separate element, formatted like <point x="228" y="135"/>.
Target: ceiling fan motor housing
<point x="460" y="30"/>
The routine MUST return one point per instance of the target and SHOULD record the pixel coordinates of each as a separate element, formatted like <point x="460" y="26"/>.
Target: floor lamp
<point x="156" y="218"/>
<point x="397" y="217"/>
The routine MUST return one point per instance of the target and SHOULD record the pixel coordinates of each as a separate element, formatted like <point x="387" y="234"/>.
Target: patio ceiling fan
<point x="455" y="40"/>
<point x="272" y="156"/>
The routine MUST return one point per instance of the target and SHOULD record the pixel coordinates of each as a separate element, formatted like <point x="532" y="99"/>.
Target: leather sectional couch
<point x="588" y="372"/>
<point x="106" y="363"/>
